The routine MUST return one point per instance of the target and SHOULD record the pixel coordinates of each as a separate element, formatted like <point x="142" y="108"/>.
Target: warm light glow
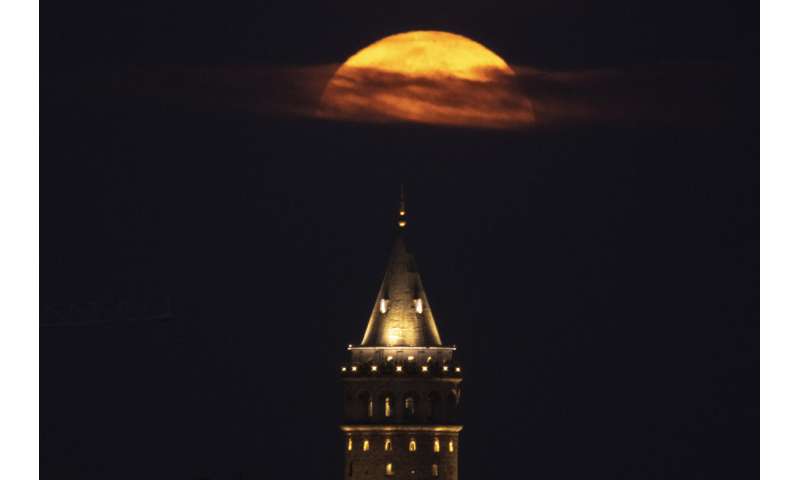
<point x="450" y="446"/>
<point x="399" y="368"/>
<point x="389" y="470"/>
<point x="458" y="369"/>
<point x="435" y="470"/>
<point x="374" y="368"/>
<point x="349" y="444"/>
<point x="401" y="223"/>
<point x="389" y="358"/>
<point x="445" y="368"/>
<point x="344" y="369"/>
<point x="412" y="445"/>
<point x="402" y="213"/>
<point x="387" y="407"/>
<point x="365" y="445"/>
<point x="436" y="445"/>
<point x="384" y="305"/>
<point x="418" y="305"/>
<point x="424" y="368"/>
<point x="429" y="77"/>
<point x="369" y="408"/>
<point x="410" y="358"/>
<point x="394" y="335"/>
<point x="354" y="368"/>
<point x="387" y="444"/>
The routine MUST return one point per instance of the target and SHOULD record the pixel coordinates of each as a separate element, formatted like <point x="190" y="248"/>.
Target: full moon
<point x="428" y="77"/>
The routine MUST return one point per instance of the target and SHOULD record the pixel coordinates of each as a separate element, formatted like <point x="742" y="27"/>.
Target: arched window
<point x="451" y="446"/>
<point x="387" y="444"/>
<point x="387" y="407"/>
<point x="389" y="469"/>
<point x="349" y="444"/>
<point x="436" y="445"/>
<point x="412" y="445"/>
<point x="365" y="445"/>
<point x="409" y="405"/>
<point x="435" y="470"/>
<point x="364" y="405"/>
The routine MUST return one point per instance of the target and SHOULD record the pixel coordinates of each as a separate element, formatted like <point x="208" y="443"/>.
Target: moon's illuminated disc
<point x="428" y="77"/>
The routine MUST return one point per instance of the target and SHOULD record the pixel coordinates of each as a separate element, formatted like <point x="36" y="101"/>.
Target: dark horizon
<point x="203" y="271"/>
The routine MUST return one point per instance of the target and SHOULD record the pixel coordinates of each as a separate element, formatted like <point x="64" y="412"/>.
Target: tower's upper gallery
<point x="401" y="315"/>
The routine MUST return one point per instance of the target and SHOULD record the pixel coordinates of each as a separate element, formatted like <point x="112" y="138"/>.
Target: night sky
<point x="203" y="268"/>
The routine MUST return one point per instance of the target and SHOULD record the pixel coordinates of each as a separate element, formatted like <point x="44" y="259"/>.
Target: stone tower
<point x="401" y="387"/>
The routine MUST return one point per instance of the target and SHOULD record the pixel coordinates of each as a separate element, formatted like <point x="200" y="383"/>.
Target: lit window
<point x="384" y="305"/>
<point x="389" y="470"/>
<point x="458" y="369"/>
<point x="389" y="358"/>
<point x="354" y="368"/>
<point x="374" y="368"/>
<point x="451" y="446"/>
<point x="418" y="305"/>
<point x="445" y="368"/>
<point x="424" y="368"/>
<point x="411" y="358"/>
<point x="429" y="359"/>
<point x="399" y="368"/>
<point x="435" y="470"/>
<point x="387" y="444"/>
<point x="412" y="445"/>
<point x="369" y="408"/>
<point x="436" y="445"/>
<point x="349" y="444"/>
<point x="365" y="445"/>
<point x="387" y="407"/>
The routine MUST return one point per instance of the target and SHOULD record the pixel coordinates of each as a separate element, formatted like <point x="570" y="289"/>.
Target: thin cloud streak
<point x="695" y="95"/>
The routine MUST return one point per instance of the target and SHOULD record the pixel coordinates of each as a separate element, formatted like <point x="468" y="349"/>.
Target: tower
<point x="401" y="387"/>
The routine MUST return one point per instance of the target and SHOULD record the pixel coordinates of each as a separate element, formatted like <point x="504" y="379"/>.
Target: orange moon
<point x="427" y="77"/>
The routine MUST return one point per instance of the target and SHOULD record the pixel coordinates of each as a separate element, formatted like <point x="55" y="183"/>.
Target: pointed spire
<point x="401" y="315"/>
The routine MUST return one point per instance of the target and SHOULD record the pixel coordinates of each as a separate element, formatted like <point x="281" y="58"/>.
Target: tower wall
<point x="423" y="407"/>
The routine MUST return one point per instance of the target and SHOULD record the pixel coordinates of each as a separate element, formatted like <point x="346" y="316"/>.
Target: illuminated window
<point x="424" y="368"/>
<point x="389" y="358"/>
<point x="435" y="470"/>
<point x="445" y="368"/>
<point x="387" y="444"/>
<point x="451" y="447"/>
<point x="389" y="470"/>
<point x="369" y="408"/>
<point x="399" y="368"/>
<point x="418" y="305"/>
<point x="374" y="368"/>
<point x="349" y="444"/>
<point x="384" y="305"/>
<point x="458" y="369"/>
<point x="411" y="358"/>
<point x="409" y="404"/>
<point x="412" y="445"/>
<point x="365" y="445"/>
<point x="354" y="368"/>
<point x="387" y="407"/>
<point x="429" y="359"/>
<point x="436" y="445"/>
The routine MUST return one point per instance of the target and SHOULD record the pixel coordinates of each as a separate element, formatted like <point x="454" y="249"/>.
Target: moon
<point x="428" y="77"/>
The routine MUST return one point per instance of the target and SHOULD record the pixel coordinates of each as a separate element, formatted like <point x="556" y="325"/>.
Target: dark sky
<point x="203" y="271"/>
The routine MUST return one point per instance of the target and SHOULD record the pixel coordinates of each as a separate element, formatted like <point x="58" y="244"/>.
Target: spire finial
<point x="401" y="221"/>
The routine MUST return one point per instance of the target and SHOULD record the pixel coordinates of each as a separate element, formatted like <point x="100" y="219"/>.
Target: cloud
<point x="693" y="95"/>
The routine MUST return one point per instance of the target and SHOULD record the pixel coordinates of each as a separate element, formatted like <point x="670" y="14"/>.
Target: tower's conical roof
<point x="401" y="315"/>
